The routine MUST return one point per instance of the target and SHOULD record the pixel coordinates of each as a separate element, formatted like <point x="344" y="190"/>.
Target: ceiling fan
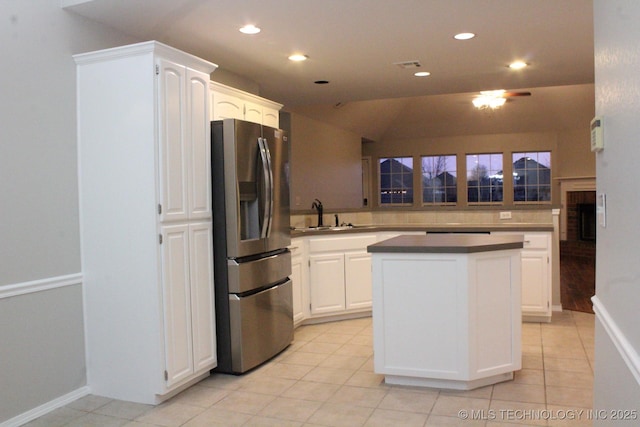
<point x="495" y="98"/>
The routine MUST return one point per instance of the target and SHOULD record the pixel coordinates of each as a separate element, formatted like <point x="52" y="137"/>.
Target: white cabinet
<point x="188" y="309"/>
<point x="298" y="280"/>
<point x="334" y="273"/>
<point x="340" y="274"/>
<point x="357" y="275"/>
<point x="229" y="103"/>
<point x="536" y="275"/>
<point x="145" y="216"/>
<point x="446" y="320"/>
<point x="185" y="148"/>
<point x="326" y="274"/>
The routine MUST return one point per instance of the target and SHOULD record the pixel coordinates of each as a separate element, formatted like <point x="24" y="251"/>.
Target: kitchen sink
<point x="330" y="228"/>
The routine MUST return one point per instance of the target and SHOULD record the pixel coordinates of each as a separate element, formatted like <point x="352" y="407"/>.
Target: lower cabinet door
<point x="176" y="303"/>
<point x="188" y="303"/>
<point x="327" y="283"/>
<point x="202" y="300"/>
<point x="535" y="282"/>
<point x="358" y="280"/>
<point x="296" y="285"/>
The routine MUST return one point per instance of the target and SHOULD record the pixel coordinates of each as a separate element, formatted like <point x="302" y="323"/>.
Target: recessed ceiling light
<point x="518" y="65"/>
<point x="297" y="57"/>
<point x="464" y="36"/>
<point x="422" y="74"/>
<point x="249" y="29"/>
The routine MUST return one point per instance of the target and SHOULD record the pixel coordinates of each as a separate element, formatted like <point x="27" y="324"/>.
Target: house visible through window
<point x="396" y="181"/>
<point x="484" y="178"/>
<point x="532" y="177"/>
<point x="439" y="179"/>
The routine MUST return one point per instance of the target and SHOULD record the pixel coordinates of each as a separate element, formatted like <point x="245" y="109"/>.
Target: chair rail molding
<point x="40" y="285"/>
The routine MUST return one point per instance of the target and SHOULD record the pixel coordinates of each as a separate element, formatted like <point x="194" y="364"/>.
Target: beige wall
<point x="42" y="351"/>
<point x="574" y="158"/>
<point x="325" y="164"/>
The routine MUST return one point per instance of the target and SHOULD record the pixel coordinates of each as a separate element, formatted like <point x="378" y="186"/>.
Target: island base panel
<point x="447" y="384"/>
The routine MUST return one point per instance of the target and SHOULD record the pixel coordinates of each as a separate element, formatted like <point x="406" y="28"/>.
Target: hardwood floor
<point x="577" y="282"/>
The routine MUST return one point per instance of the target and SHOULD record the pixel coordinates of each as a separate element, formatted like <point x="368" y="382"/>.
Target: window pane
<point x="532" y="176"/>
<point x="484" y="178"/>
<point x="439" y="179"/>
<point x="396" y="180"/>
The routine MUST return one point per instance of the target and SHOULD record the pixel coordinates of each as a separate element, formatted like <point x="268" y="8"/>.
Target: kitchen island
<point x="446" y="309"/>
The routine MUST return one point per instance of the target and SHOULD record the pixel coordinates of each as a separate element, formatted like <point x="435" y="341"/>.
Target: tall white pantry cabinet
<point x="144" y="146"/>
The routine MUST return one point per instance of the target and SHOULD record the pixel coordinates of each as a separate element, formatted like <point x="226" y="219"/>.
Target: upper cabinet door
<point x="252" y="112"/>
<point x="199" y="147"/>
<point x="172" y="141"/>
<point x="271" y="117"/>
<point x="226" y="106"/>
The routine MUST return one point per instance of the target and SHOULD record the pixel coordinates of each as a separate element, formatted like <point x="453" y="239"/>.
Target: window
<point x="532" y="177"/>
<point x="439" y="179"/>
<point x="484" y="178"/>
<point x="396" y="181"/>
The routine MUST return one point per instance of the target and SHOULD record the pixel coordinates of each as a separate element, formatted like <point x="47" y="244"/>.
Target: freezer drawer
<point x="250" y="275"/>
<point x="261" y="326"/>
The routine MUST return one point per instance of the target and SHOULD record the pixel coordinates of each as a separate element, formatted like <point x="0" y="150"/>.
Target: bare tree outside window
<point x="439" y="179"/>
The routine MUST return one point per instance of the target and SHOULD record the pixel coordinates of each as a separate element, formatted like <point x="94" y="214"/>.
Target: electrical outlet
<point x="505" y="215"/>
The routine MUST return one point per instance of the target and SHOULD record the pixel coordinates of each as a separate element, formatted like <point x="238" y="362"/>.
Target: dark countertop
<point x="444" y="228"/>
<point x="447" y="243"/>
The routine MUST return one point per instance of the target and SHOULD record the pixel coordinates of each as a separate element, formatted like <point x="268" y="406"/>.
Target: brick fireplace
<point x="580" y="227"/>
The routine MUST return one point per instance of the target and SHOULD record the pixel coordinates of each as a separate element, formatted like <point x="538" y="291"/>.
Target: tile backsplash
<point x="465" y="217"/>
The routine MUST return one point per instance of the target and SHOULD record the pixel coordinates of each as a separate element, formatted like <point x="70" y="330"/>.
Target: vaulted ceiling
<point x="354" y="44"/>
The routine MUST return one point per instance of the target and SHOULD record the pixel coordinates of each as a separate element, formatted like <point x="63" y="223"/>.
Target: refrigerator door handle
<point x="271" y="188"/>
<point x="268" y="193"/>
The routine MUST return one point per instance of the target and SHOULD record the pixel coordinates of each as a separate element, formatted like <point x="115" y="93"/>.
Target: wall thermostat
<point x="597" y="137"/>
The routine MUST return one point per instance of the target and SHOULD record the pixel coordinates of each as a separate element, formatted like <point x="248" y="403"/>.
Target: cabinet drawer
<point x="341" y="243"/>
<point x="536" y="241"/>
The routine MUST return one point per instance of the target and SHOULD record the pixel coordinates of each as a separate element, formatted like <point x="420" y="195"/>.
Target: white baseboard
<point x="624" y="347"/>
<point x="556" y="307"/>
<point x="46" y="408"/>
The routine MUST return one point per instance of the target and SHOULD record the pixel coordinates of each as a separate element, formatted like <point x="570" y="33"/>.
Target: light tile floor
<point x="326" y="378"/>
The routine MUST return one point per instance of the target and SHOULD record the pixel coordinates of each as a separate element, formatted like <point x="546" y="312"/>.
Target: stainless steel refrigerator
<point x="254" y="312"/>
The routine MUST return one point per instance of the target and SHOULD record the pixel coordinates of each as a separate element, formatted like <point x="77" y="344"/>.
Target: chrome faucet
<point x="317" y="204"/>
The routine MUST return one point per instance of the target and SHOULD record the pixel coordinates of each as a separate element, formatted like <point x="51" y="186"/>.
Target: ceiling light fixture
<point x="298" y="57"/>
<point x="464" y="36"/>
<point x="250" y="29"/>
<point x="422" y="74"/>
<point x="489" y="99"/>
<point x="518" y="65"/>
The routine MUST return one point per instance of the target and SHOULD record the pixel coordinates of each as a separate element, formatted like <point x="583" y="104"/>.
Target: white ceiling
<point x="354" y="44"/>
